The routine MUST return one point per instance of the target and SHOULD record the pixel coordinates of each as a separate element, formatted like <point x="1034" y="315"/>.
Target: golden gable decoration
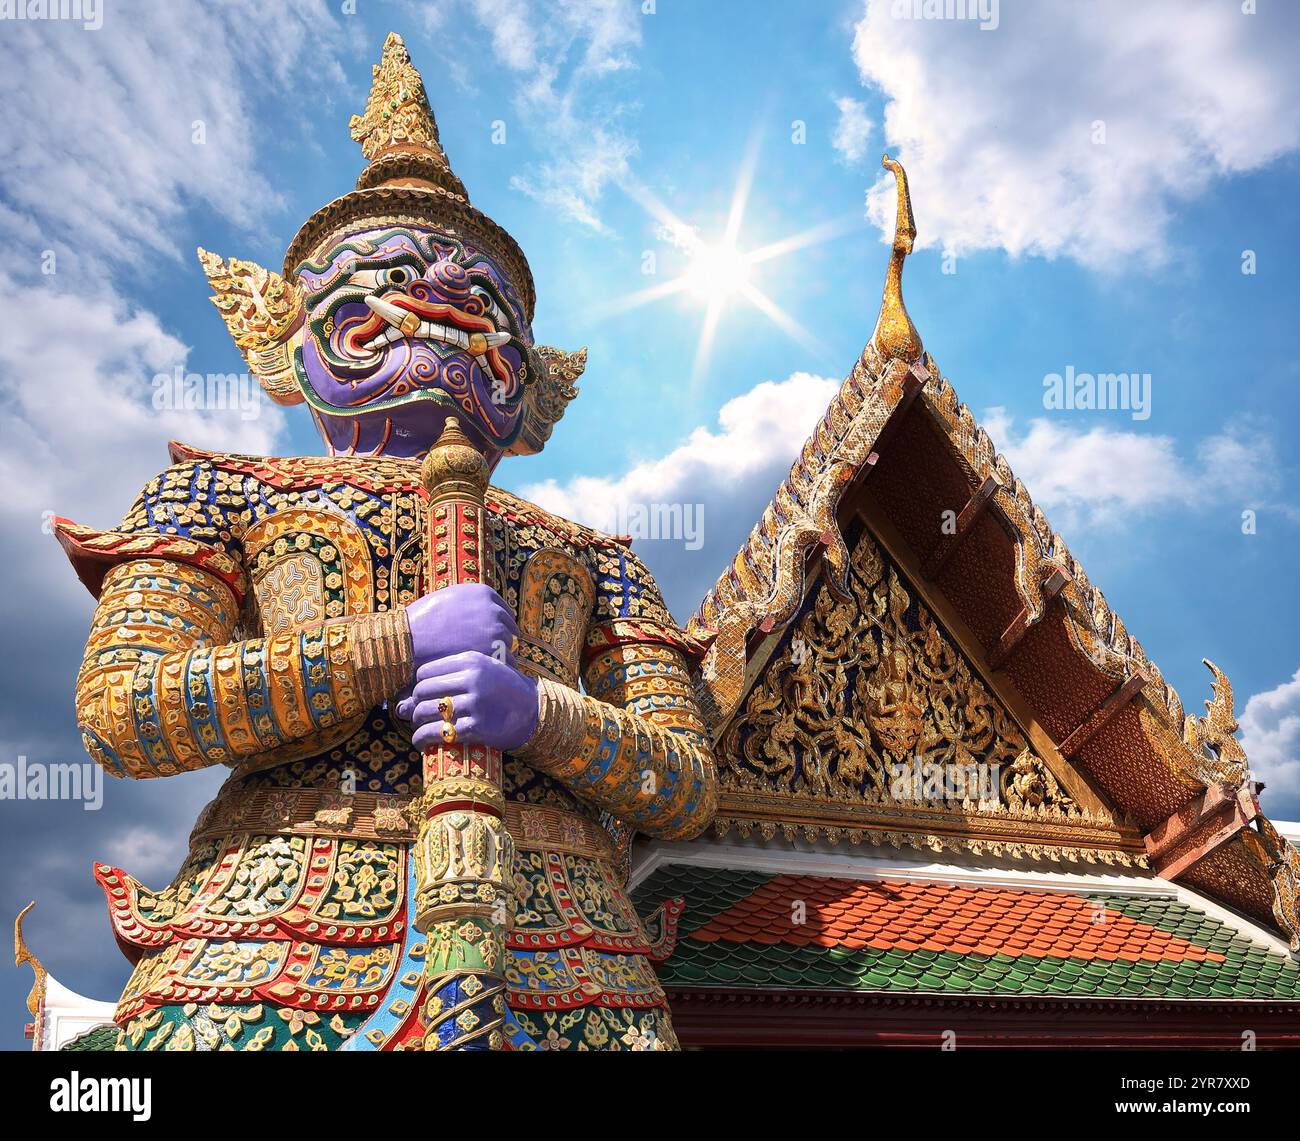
<point x="867" y="722"/>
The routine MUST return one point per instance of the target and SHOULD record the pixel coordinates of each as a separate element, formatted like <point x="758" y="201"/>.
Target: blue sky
<point x="1121" y="255"/>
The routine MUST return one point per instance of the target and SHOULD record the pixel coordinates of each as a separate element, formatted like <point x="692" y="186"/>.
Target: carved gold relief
<point x="556" y="596"/>
<point x="868" y="704"/>
<point x="1218" y="757"/>
<point x="291" y="594"/>
<point x="1281" y="862"/>
<point x="307" y="566"/>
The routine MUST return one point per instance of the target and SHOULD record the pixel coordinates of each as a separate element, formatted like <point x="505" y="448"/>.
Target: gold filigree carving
<point x="1281" y="862"/>
<point x="556" y="596"/>
<point x="898" y="839"/>
<point x="867" y="691"/>
<point x="1217" y="755"/>
<point x="397" y="131"/>
<point x="547" y="398"/>
<point x="264" y="314"/>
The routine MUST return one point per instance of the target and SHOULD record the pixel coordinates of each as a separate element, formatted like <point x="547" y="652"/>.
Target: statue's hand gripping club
<point x="463" y="853"/>
<point x="462" y="638"/>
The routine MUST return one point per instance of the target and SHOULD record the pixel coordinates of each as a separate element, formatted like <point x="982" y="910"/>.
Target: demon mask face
<point x="400" y="303"/>
<point x="403" y="327"/>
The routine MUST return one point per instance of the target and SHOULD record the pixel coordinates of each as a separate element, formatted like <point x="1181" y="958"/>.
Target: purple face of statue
<point x="405" y="327"/>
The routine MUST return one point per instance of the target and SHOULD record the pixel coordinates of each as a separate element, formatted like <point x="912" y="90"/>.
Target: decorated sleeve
<point x="163" y="689"/>
<point x="634" y="744"/>
<point x="193" y="513"/>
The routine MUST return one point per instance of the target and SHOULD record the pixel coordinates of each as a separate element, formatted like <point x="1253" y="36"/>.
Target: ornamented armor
<point x="253" y="613"/>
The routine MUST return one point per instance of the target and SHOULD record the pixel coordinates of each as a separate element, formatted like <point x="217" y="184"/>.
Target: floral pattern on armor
<point x="294" y="896"/>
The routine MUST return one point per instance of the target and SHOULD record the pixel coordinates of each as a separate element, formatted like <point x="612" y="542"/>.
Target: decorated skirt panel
<point x="318" y="924"/>
<point x="375" y="759"/>
<point x="265" y="1026"/>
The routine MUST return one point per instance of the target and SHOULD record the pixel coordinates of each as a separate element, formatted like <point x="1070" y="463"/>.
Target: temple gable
<point x="866" y="720"/>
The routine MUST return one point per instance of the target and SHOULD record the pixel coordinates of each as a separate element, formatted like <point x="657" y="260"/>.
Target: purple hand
<point x="492" y="702"/>
<point x="458" y="618"/>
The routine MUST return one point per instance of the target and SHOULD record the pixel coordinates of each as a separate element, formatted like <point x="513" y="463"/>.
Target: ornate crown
<point x="407" y="177"/>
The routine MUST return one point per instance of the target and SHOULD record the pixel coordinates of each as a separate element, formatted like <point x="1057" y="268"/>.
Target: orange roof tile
<point x="942" y="917"/>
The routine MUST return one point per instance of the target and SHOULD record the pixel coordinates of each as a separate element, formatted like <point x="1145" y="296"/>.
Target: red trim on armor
<point x="93" y="553"/>
<point x="638" y="631"/>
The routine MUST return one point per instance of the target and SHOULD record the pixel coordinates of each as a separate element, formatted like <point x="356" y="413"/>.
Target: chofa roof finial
<point x="896" y="337"/>
<point x="22" y="955"/>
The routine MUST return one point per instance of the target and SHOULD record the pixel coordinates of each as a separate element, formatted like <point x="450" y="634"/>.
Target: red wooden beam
<point x="946" y="545"/>
<point x="1105" y="710"/>
<point x="1201" y="825"/>
<point x="811" y="1018"/>
<point x="1019" y="626"/>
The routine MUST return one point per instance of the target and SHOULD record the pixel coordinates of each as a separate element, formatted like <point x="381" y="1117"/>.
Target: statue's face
<point x="406" y="326"/>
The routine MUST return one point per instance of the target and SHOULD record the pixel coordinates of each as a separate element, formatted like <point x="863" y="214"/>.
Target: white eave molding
<point x="66" y="1015"/>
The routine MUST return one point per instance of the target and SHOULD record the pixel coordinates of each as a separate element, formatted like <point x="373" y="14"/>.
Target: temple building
<point x="958" y="804"/>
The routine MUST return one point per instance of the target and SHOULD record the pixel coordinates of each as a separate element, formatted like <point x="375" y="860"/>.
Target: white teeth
<point x="386" y="336"/>
<point x="429" y="330"/>
<point x="446" y="333"/>
<point x="388" y="311"/>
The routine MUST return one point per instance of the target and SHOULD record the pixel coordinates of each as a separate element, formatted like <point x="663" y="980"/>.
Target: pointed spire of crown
<point x="397" y="131"/>
<point x="407" y="177"/>
<point x="896" y="337"/>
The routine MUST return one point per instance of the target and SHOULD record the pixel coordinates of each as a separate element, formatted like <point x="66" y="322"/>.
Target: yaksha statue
<point x="446" y="711"/>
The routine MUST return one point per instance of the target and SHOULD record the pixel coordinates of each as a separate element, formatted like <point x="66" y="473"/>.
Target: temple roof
<point x="736" y="930"/>
<point x="898" y="453"/>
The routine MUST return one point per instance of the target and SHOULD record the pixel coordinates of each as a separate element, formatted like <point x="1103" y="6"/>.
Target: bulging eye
<point x="489" y="302"/>
<point x="398" y="275"/>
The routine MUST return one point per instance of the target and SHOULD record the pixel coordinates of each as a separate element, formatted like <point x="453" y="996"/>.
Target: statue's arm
<point x="634" y="743"/>
<point x="163" y="688"/>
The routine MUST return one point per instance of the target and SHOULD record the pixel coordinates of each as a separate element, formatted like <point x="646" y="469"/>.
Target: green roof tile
<point x="798" y="957"/>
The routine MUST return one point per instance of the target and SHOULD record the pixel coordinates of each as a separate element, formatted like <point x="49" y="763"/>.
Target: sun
<point x="717" y="271"/>
<point x="720" y="273"/>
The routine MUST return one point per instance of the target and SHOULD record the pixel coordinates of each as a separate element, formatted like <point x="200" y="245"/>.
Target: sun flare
<point x="717" y="271"/>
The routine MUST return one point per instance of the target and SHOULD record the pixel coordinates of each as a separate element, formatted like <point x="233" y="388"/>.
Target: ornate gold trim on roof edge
<point x="744" y="827"/>
<point x="1281" y="863"/>
<point x="767" y="580"/>
<point x="1096" y="630"/>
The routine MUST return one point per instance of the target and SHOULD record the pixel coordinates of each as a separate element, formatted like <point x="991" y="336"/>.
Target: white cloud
<point x="852" y="130"/>
<point x="81" y="429"/>
<point x="1270" y="734"/>
<point x="98" y="159"/>
<point x="1086" y="476"/>
<point x="996" y="128"/>
<point x="105" y="176"/>
<point x="1083" y="476"/>
<point x="561" y="56"/>
<point x="729" y="474"/>
<point x="97" y="163"/>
